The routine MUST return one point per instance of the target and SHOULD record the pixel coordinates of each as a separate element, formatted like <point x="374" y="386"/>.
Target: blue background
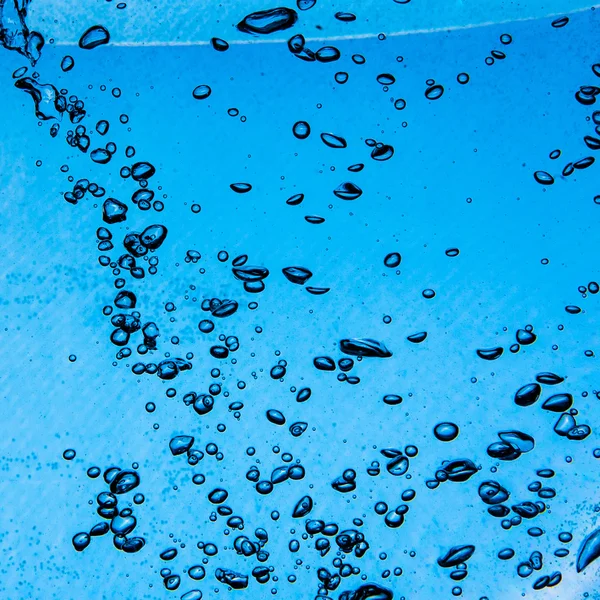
<point x="481" y="141"/>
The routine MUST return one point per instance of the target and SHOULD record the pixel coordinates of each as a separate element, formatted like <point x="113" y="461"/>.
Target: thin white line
<point x="359" y="36"/>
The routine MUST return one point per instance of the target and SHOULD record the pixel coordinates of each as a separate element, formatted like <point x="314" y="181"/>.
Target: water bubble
<point x="181" y="444"/>
<point x="18" y="73"/>
<point x="264" y="22"/>
<point x="549" y="378"/>
<point x="298" y="275"/>
<point x="490" y="353"/>
<point x="386" y="79"/>
<point x="558" y="403"/>
<point x="303" y="507"/>
<point x="295" y="199"/>
<point x="333" y="141"/>
<point x="296" y="43"/>
<point x="528" y="394"/>
<point x="446" y="432"/>
<point x="201" y="92"/>
<point x="456" y="555"/>
<point x="543" y="178"/>
<point x="382" y="152"/>
<point x="433" y="92"/>
<point x="364" y="347"/>
<point x="555" y="154"/>
<point x="95" y="36"/>
<point x="100" y="156"/>
<point x="303" y="395"/>
<point x="584" y="163"/>
<point x="192" y="595"/>
<point x="67" y="63"/>
<point x="301" y="130"/>
<point x="219" y="45"/>
<point x="93" y="472"/>
<point x="392" y="399"/>
<point x="327" y="54"/>
<point x="341" y="77"/>
<point x="124" y="482"/>
<point x="275" y="417"/>
<point x="324" y="363"/>
<point x="81" y="541"/>
<point x="218" y="496"/>
<point x="46" y="98"/>
<point x="398" y="466"/>
<point x="348" y="191"/>
<point x="417" y="338"/>
<point x="560" y="22"/>
<point x="317" y="291"/>
<point x="240" y="188"/>
<point x="392" y="260"/>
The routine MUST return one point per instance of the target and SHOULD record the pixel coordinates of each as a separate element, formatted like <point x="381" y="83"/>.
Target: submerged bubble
<point x="543" y="178"/>
<point x="382" y="152"/>
<point x="456" y="555"/>
<point x="528" y="394"/>
<point x="201" y="92"/>
<point x="81" y="541"/>
<point x="446" y="432"/>
<point x="348" y="191"/>
<point x="95" y="36"/>
<point x="490" y="353"/>
<point x="298" y="275"/>
<point x="549" y="378"/>
<point x="333" y="141"/>
<point x="558" y="403"/>
<point x="314" y="219"/>
<point x="392" y="260"/>
<point x="67" y="63"/>
<point x="124" y="482"/>
<point x="275" y="417"/>
<point x="219" y="45"/>
<point x="327" y="54"/>
<point x="364" y="347"/>
<point x="417" y="338"/>
<point x="264" y="22"/>
<point x="301" y="130"/>
<point x="240" y="188"/>
<point x="434" y="92"/>
<point x="386" y="79"/>
<point x="560" y="22"/>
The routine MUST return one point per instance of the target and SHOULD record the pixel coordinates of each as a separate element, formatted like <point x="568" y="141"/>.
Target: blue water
<point x="459" y="175"/>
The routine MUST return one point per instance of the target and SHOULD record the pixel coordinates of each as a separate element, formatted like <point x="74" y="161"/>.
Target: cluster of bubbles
<point x="119" y="522"/>
<point x="138" y="256"/>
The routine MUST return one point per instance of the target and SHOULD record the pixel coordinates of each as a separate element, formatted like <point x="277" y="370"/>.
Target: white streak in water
<point x="360" y="36"/>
